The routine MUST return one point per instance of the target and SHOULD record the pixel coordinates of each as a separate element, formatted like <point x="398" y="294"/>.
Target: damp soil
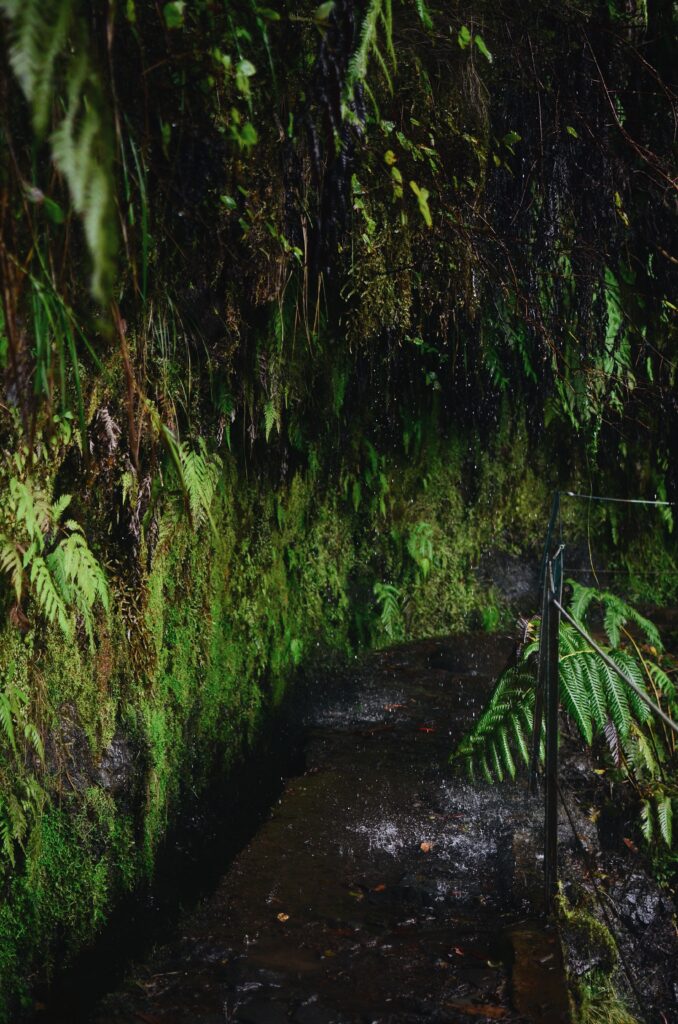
<point x="378" y="888"/>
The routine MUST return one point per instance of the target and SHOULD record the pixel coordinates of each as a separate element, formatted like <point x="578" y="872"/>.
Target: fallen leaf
<point x="425" y="847"/>
<point x="426" y="728"/>
<point x="329" y="952"/>
<point x="379" y="888"/>
<point x="283" y="917"/>
<point x="356" y="895"/>
<point x="459" y="952"/>
<point x="631" y="845"/>
<point x="393" y="707"/>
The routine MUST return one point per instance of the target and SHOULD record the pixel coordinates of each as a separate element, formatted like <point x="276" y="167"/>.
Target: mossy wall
<point x="175" y="693"/>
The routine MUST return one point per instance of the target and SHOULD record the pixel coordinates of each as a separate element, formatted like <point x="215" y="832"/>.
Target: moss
<point x="594" y="994"/>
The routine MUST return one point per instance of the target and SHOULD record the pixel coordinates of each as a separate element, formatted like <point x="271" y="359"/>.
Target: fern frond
<point x="378" y="12"/>
<point x="505" y="750"/>
<point x="590" y="669"/>
<point x="7" y="720"/>
<point x="50" y="55"/>
<point x="616" y="693"/>
<point x="520" y="739"/>
<point x="199" y="475"/>
<point x="661" y="680"/>
<point x="59" y="507"/>
<point x="649" y="630"/>
<point x="49" y="600"/>
<point x="573" y="689"/>
<point x="424" y="15"/>
<point x="614" y="620"/>
<point x="665" y="818"/>
<point x="34" y="738"/>
<point x="632" y="669"/>
<point x="11" y="564"/>
<point x="646" y="820"/>
<point x="581" y="599"/>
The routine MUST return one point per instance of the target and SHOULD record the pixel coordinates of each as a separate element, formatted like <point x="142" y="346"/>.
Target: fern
<point x="7" y="720"/>
<point x="11" y="563"/>
<point x="50" y="56"/>
<point x="379" y="14"/>
<point x="597" y="700"/>
<point x="647" y="821"/>
<point x="48" y="598"/>
<point x="48" y="558"/>
<point x="665" y="818"/>
<point x="200" y="473"/>
<point x="388" y="599"/>
<point x="617" y="613"/>
<point x="424" y="14"/>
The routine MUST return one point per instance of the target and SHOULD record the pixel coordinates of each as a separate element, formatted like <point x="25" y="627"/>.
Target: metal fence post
<point x="541" y="670"/>
<point x="552" y="694"/>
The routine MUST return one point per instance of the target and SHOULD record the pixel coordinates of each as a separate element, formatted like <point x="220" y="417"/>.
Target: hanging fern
<point x="200" y="476"/>
<point x="379" y="16"/>
<point x="50" y="56"/>
<point x="388" y="599"/>
<point x="596" y="699"/>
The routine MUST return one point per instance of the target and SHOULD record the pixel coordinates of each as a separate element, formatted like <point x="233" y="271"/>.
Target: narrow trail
<point x="380" y="888"/>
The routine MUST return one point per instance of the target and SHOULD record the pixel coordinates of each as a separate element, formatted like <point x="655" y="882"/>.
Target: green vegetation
<point x="304" y="311"/>
<point x="603" y="708"/>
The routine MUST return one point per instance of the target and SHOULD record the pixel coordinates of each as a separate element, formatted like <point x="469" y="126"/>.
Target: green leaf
<point x="174" y="13"/>
<point x="511" y="138"/>
<point x="424" y="15"/>
<point x="480" y="43"/>
<point x="464" y="37"/>
<point x="53" y="211"/>
<point x="422" y="195"/>
<point x="323" y="12"/>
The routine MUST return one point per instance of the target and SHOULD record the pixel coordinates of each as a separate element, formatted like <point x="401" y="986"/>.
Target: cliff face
<point x="306" y="309"/>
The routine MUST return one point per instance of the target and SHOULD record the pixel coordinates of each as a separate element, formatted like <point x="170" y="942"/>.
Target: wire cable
<point x="620" y="501"/>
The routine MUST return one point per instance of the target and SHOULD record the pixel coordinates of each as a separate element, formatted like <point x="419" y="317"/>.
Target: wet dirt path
<point x="380" y="888"/>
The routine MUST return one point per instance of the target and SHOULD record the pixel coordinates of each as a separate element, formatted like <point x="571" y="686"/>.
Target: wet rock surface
<point x="380" y="888"/>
